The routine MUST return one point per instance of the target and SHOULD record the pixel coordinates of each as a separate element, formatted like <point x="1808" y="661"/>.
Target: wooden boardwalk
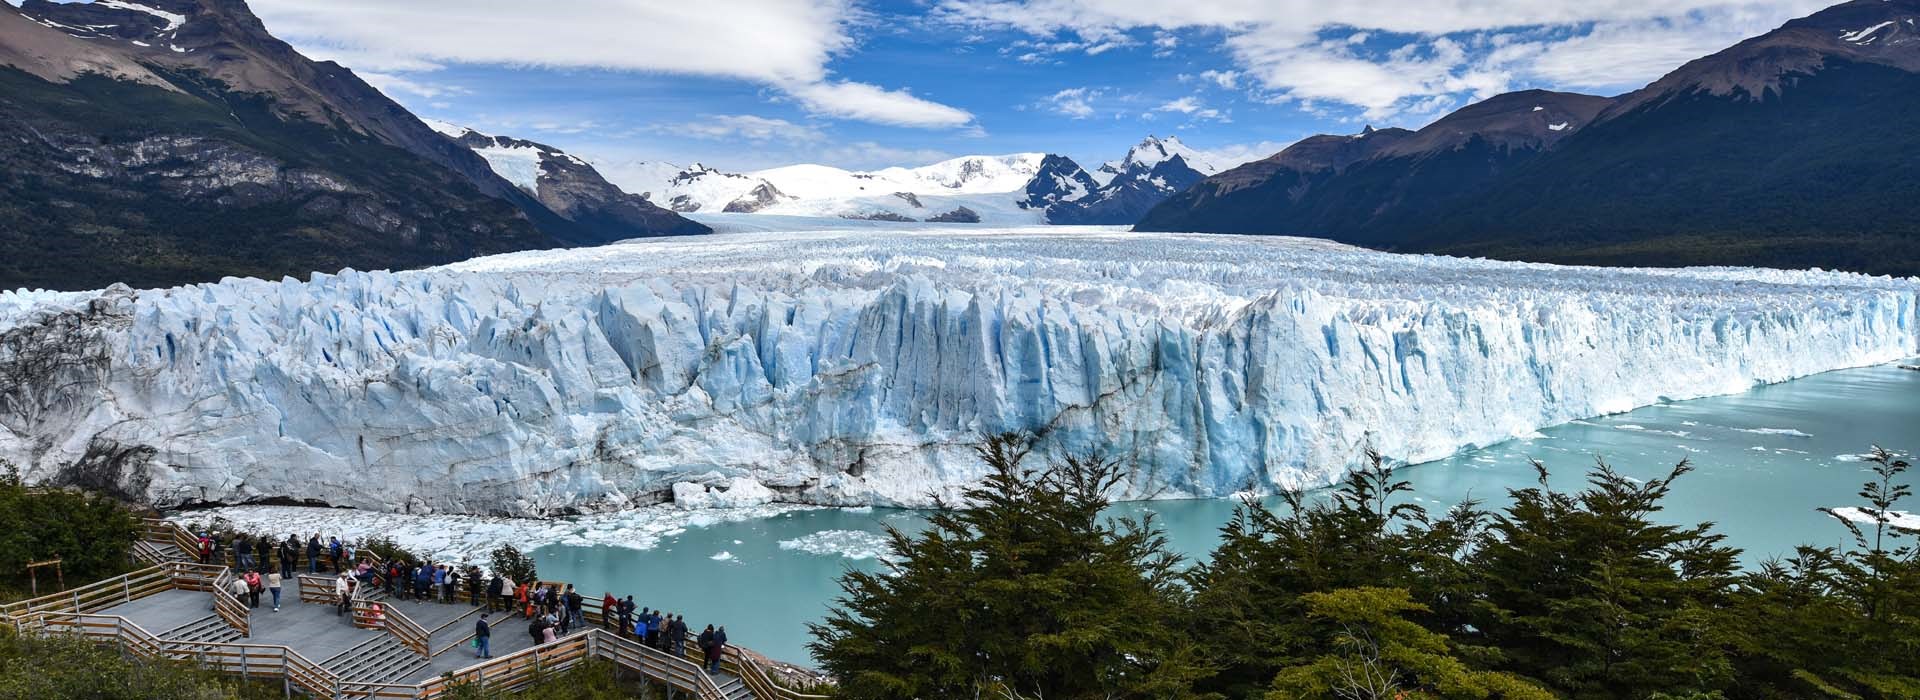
<point x="381" y="648"/>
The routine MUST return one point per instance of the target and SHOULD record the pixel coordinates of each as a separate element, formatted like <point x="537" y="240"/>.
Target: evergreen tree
<point x="1249" y="611"/>
<point x="1585" y="593"/>
<point x="1028" y="591"/>
<point x="1838" y="623"/>
<point x="1376" y="653"/>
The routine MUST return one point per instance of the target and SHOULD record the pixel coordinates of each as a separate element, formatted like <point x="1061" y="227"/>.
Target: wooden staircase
<point x="381" y="659"/>
<point x="211" y="629"/>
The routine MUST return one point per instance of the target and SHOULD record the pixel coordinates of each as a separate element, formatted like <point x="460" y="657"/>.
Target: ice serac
<point x="848" y="367"/>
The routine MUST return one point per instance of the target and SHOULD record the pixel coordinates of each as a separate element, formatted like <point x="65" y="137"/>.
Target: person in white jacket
<point x="343" y="591"/>
<point x="273" y="586"/>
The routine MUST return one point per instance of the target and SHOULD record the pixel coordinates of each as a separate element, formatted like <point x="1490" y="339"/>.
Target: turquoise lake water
<point x="1765" y="460"/>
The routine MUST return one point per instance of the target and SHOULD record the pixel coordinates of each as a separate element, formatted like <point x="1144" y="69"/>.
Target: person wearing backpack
<point x="254" y="587"/>
<point x="313" y="554"/>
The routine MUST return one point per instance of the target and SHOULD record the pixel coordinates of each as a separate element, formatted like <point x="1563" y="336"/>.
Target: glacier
<point x="859" y="365"/>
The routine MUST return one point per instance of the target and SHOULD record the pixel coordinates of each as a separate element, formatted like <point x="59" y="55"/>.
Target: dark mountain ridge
<point x="161" y="142"/>
<point x="1791" y="149"/>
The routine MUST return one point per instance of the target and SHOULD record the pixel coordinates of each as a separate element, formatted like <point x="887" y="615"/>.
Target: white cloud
<point x="1072" y="102"/>
<point x="743" y="126"/>
<point x="1234" y="154"/>
<point x="395" y="85"/>
<point x="872" y="103"/>
<point x="786" y="44"/>
<point x="1316" y="53"/>
<point x="1191" y="107"/>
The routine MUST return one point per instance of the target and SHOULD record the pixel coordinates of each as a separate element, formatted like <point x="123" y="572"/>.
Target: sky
<point x="748" y="84"/>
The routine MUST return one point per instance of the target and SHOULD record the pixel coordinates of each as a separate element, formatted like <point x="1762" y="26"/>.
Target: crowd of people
<point x="551" y="612"/>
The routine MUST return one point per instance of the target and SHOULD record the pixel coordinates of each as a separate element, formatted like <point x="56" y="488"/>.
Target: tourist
<point x="263" y="554"/>
<point x="254" y="587"/>
<point x="343" y="593"/>
<point x="719" y="646"/>
<point x="524" y="603"/>
<point x="206" y="549"/>
<point x="482" y="634"/>
<point x="609" y="609"/>
<point x="449" y="590"/>
<point x="242" y="555"/>
<point x="289" y="555"/>
<point x="423" y="582"/>
<point x="574" y="602"/>
<point x="238" y="588"/>
<point x="677" y="632"/>
<point x="273" y="584"/>
<point x="474" y="585"/>
<point x="626" y="616"/>
<point x="347" y="549"/>
<point x="496" y="590"/>
<point x="536" y="627"/>
<point x="333" y="550"/>
<point x="392" y="574"/>
<point x="547" y="625"/>
<point x="709" y="652"/>
<point x="439" y="579"/>
<point x="313" y="554"/>
<point x="640" y="626"/>
<point x="653" y="629"/>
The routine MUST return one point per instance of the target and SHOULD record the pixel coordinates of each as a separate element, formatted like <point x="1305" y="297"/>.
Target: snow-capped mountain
<point x="1123" y="190"/>
<point x="223" y="151"/>
<point x="569" y="186"/>
<point x="986" y="186"/>
<point x="1151" y="152"/>
<point x="846" y="367"/>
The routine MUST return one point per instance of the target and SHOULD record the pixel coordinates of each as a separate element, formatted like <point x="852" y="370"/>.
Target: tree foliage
<point x="509" y="561"/>
<point x="89" y="533"/>
<point x="1355" y="592"/>
<point x="1028" y="591"/>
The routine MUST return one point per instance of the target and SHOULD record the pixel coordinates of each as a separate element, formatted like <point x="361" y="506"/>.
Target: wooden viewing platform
<point x="383" y="648"/>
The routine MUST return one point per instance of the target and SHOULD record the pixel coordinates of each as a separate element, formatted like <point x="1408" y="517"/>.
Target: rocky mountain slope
<point x="155" y="142"/>
<point x="1792" y="149"/>
<point x="569" y="186"/>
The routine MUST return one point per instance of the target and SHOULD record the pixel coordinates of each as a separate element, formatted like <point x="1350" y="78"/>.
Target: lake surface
<point x="1765" y="460"/>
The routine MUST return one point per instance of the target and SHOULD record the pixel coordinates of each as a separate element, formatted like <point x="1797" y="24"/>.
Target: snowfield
<point x="859" y="366"/>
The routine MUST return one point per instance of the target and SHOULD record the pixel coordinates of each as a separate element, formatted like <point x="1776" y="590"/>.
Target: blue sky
<point x="742" y="84"/>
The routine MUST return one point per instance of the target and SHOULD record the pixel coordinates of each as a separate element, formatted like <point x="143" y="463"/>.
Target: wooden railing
<point x="75" y="612"/>
<point x="94" y="597"/>
<point x="377" y="614"/>
<point x="316" y="589"/>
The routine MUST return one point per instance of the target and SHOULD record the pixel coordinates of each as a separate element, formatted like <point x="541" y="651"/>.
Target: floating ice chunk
<point x="1788" y="432"/>
<point x="1900" y="519"/>
<point x="723" y="556"/>
<point x="852" y="544"/>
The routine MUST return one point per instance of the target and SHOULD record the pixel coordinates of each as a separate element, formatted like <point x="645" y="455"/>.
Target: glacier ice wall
<point x="859" y="366"/>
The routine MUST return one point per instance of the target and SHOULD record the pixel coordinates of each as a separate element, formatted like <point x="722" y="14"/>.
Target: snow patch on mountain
<point x="858" y="366"/>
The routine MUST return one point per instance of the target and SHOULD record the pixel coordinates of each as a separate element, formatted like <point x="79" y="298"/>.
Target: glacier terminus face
<point x="859" y="366"/>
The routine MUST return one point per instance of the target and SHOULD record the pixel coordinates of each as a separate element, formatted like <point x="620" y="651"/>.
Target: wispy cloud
<point x="1407" y="58"/>
<point x="784" y="44"/>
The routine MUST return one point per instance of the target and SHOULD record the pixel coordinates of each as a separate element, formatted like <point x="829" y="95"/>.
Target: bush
<point x="58" y="667"/>
<point x="388" y="550"/>
<point x="512" y="563"/>
<point x="89" y="533"/>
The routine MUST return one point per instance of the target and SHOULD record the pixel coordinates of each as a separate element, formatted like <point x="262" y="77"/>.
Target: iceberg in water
<point x="859" y="366"/>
